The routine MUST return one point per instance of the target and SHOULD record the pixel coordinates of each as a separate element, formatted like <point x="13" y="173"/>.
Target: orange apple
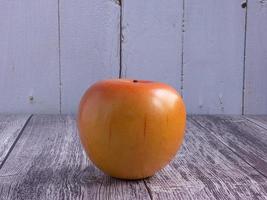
<point x="130" y="129"/>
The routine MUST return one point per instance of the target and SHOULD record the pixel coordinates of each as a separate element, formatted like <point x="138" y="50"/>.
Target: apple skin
<point x="131" y="129"/>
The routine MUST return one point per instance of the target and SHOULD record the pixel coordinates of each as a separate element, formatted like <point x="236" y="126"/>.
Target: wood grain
<point x="152" y="40"/>
<point x="51" y="51"/>
<point x="10" y="129"/>
<point x="90" y="47"/>
<point x="213" y="56"/>
<point x="256" y="59"/>
<point x="245" y="138"/>
<point x="29" y="56"/>
<point x="205" y="168"/>
<point x="48" y="163"/>
<point x="261" y="120"/>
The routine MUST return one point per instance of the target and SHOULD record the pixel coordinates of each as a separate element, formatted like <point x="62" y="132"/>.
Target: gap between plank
<point x="244" y="59"/>
<point x="15" y="142"/>
<point x="120" y="2"/>
<point x="228" y="147"/>
<point x="244" y="117"/>
<point x="59" y="56"/>
<point x="148" y="190"/>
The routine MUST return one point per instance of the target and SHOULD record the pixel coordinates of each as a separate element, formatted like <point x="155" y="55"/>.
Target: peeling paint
<point x="244" y="5"/>
<point x="118" y="2"/>
<point x="221" y="101"/>
<point x="220" y="98"/>
<point x="122" y="38"/>
<point x="263" y="2"/>
<point x="31" y="99"/>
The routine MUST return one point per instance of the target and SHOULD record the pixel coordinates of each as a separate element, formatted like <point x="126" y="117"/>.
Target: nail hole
<point x="31" y="98"/>
<point x="244" y="5"/>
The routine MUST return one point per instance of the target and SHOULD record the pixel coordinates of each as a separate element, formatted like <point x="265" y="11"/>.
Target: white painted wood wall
<point x="213" y="52"/>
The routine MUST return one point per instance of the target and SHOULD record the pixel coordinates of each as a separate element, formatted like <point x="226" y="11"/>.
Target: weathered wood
<point x="48" y="163"/>
<point x="207" y="169"/>
<point x="256" y="59"/>
<point x="261" y="120"/>
<point x="152" y="40"/>
<point x="29" y="56"/>
<point x="90" y="47"/>
<point x="245" y="138"/>
<point x="213" y="56"/>
<point x="10" y="129"/>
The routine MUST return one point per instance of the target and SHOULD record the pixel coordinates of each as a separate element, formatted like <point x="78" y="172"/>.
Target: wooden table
<point x="223" y="157"/>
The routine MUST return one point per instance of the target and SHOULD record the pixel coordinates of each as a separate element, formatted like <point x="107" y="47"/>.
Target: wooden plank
<point x="261" y="120"/>
<point x="152" y="40"/>
<point x="89" y="46"/>
<point x="245" y="138"/>
<point x="11" y="127"/>
<point x="29" y="56"/>
<point x="256" y="59"/>
<point x="48" y="163"/>
<point x="206" y="169"/>
<point x="213" y="56"/>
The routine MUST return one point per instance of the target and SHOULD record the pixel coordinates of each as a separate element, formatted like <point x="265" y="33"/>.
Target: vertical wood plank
<point x="29" y="56"/>
<point x="256" y="59"/>
<point x="10" y="129"/>
<point x="151" y="46"/>
<point x="213" y="56"/>
<point x="90" y="44"/>
<point x="48" y="163"/>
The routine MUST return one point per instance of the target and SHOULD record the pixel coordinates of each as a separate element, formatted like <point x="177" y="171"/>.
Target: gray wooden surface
<point x="207" y="169"/>
<point x="245" y="138"/>
<point x="260" y="120"/>
<point x="11" y="127"/>
<point x="222" y="157"/>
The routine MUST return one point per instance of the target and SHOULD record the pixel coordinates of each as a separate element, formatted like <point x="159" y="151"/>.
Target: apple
<point x="130" y="129"/>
